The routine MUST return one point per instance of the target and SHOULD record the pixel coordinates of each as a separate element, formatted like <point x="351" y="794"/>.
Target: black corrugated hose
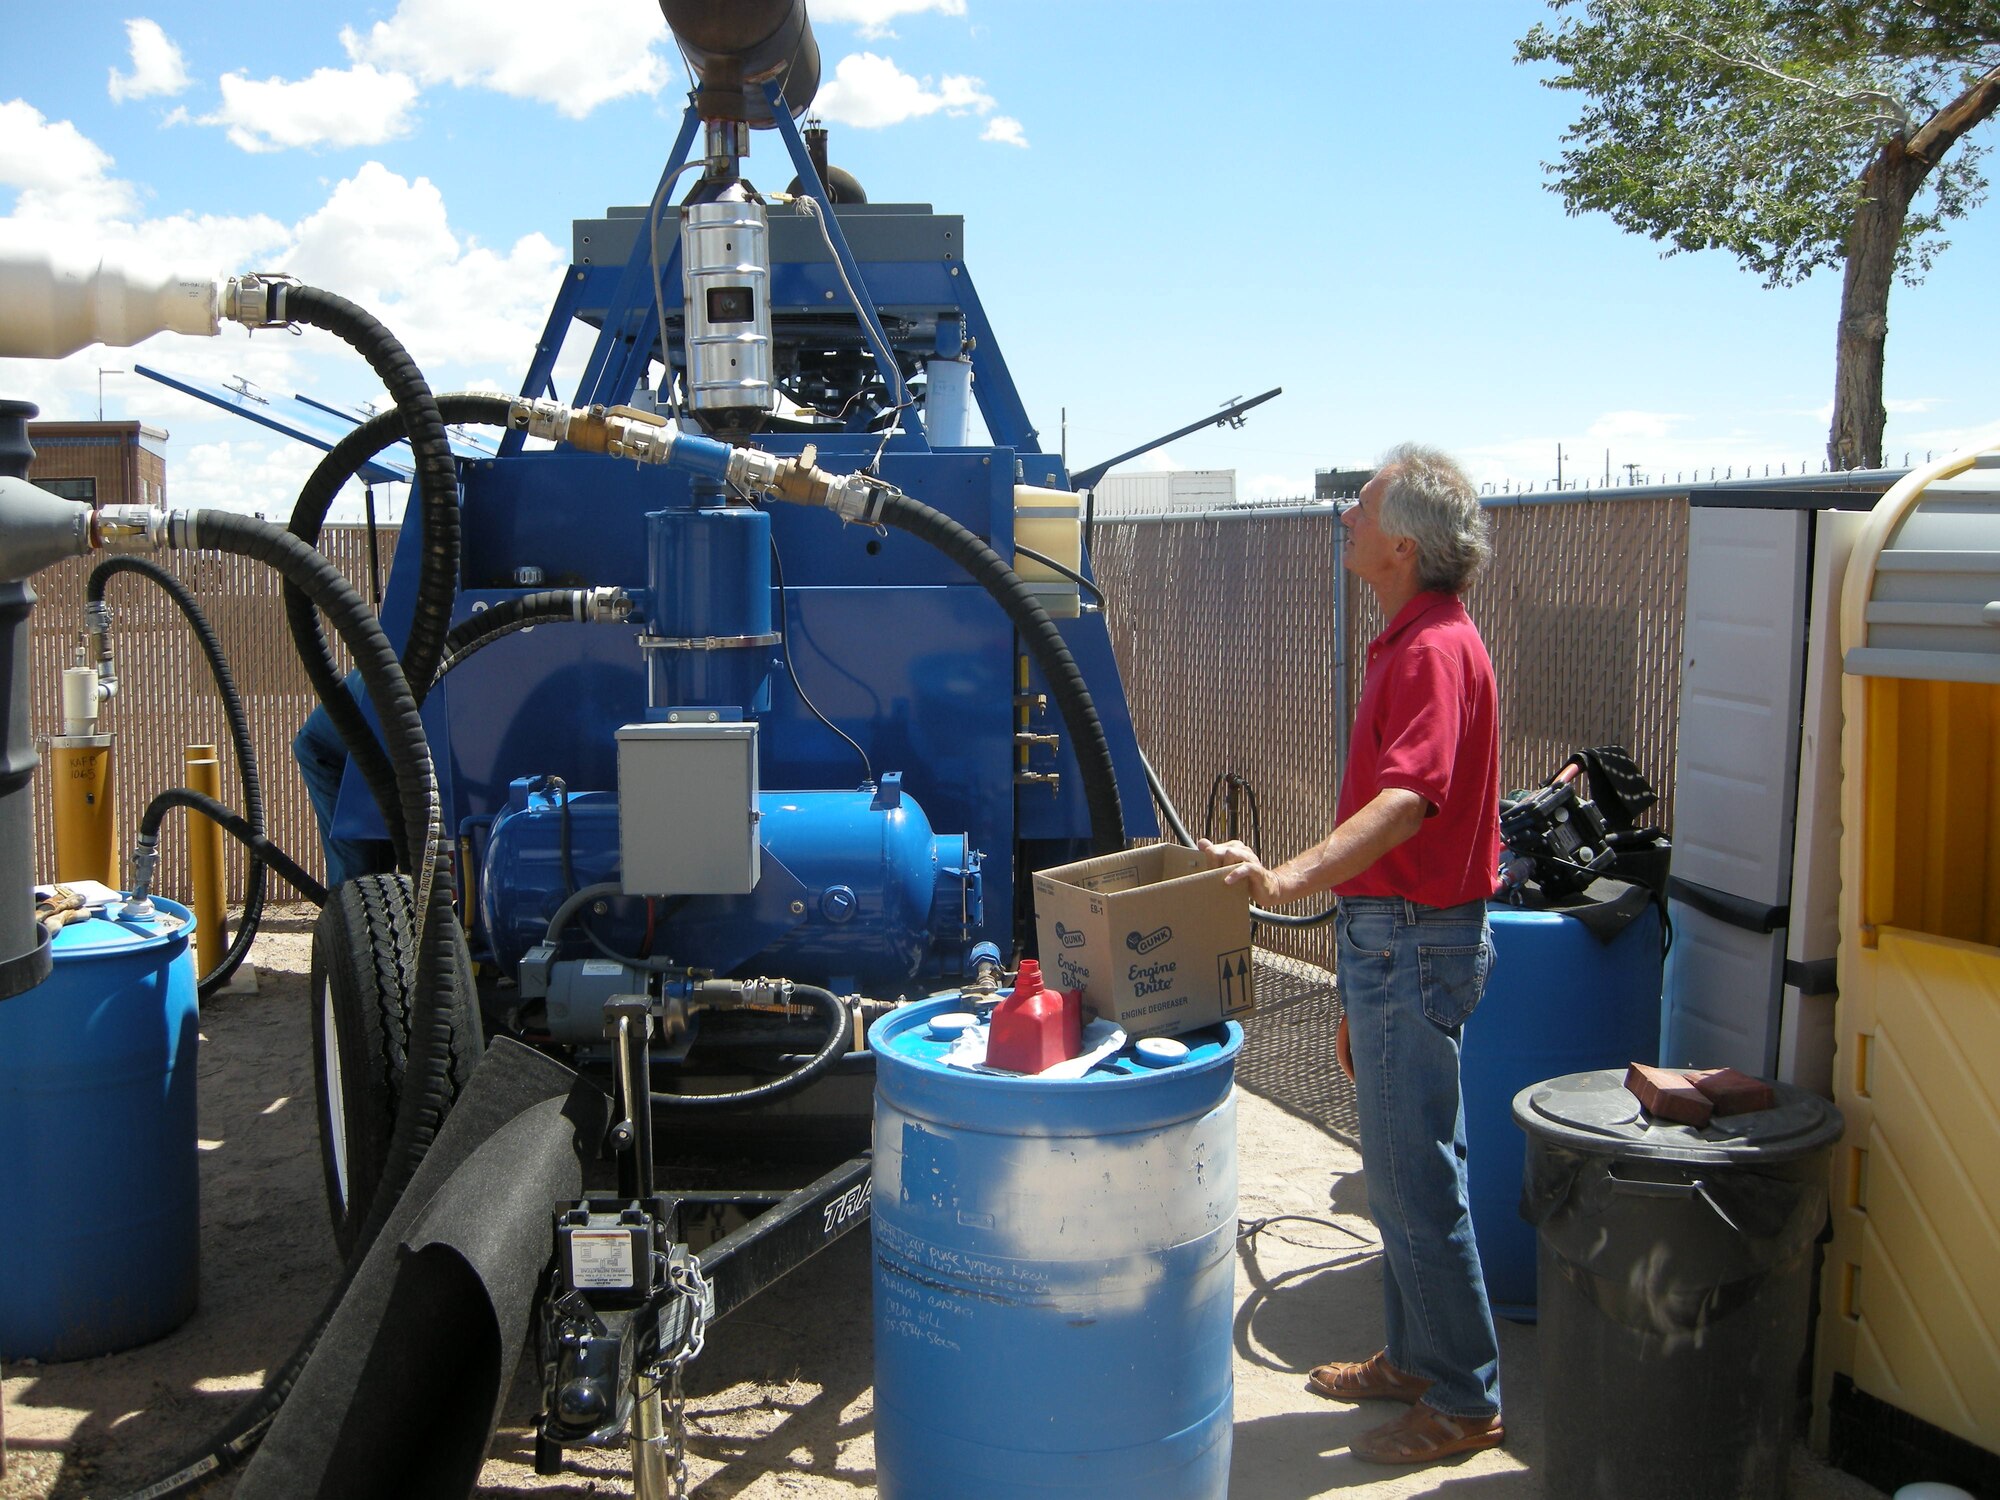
<point x="1044" y="643"/>
<point x="421" y="417"/>
<point x="239" y="738"/>
<point x="237" y="827"/>
<point x="508" y="616"/>
<point x="431" y="1038"/>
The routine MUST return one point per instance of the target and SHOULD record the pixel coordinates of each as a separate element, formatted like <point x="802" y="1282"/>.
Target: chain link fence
<point x="1231" y="632"/>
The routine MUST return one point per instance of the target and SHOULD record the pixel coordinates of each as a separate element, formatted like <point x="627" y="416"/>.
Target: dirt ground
<point x="780" y="1404"/>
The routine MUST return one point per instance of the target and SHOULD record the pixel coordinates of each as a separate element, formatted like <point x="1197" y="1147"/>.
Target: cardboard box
<point x="1153" y="937"/>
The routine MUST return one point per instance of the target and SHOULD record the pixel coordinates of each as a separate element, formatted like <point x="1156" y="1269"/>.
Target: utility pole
<point x="1559" y="465"/>
<point x="101" y="373"/>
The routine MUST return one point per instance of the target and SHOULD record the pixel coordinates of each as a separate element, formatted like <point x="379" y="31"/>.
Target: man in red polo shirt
<point x="1412" y="858"/>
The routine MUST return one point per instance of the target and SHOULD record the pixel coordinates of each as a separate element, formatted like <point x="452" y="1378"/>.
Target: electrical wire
<point x="785" y="642"/>
<point x="1173" y="820"/>
<point x="1070" y="573"/>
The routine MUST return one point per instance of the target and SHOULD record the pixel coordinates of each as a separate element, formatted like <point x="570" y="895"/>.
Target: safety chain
<point x="700" y="1296"/>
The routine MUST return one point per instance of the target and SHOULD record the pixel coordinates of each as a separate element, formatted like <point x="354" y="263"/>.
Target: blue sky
<point x="1163" y="210"/>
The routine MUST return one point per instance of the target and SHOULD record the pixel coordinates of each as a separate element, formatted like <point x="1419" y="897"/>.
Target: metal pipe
<point x="211" y="912"/>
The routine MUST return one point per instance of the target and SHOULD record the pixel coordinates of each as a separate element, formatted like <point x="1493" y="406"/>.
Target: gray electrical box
<point x="687" y="809"/>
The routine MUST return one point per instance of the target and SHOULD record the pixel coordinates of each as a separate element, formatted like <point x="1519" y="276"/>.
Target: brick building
<point x="106" y="463"/>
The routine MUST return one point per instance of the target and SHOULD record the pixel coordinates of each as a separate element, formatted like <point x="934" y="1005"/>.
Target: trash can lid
<point x="1593" y="1112"/>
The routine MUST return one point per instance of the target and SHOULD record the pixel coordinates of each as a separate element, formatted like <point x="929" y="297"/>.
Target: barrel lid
<point x="110" y="932"/>
<point x="1594" y="1113"/>
<point x="907" y="1037"/>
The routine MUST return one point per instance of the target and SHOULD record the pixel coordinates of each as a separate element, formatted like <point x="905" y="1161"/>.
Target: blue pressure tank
<point x="856" y="885"/>
<point x="97" y="1119"/>
<point x="1558" y="1001"/>
<point x="1054" y="1278"/>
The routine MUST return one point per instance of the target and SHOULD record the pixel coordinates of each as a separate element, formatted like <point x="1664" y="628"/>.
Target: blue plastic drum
<point x="97" y="1113"/>
<point x="1559" y="1001"/>
<point x="1054" y="1277"/>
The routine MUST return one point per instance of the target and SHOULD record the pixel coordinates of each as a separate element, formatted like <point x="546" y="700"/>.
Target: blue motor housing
<point x="857" y="892"/>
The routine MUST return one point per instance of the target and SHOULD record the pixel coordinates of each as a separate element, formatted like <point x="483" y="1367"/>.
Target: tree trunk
<point x="1887" y="186"/>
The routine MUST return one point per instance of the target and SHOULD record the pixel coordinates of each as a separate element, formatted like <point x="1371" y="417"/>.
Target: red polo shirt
<point x="1429" y="723"/>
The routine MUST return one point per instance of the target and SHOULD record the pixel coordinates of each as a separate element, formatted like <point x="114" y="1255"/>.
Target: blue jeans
<point x="1410" y="976"/>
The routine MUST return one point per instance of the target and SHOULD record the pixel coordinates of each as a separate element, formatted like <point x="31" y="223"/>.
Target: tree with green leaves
<point x="1795" y="134"/>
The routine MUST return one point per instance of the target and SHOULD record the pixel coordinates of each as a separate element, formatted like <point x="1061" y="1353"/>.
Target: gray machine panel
<point x="687" y="809"/>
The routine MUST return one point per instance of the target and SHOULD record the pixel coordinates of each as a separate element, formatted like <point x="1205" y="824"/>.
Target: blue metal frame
<point x="889" y="637"/>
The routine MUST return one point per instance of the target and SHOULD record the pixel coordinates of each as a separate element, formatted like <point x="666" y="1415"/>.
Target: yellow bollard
<point x="211" y="912"/>
<point x="80" y="774"/>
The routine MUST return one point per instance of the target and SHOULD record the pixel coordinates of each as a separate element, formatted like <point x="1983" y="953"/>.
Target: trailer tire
<point x="364" y="972"/>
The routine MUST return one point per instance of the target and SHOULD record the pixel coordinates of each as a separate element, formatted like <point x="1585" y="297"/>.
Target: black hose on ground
<point x="427" y="1090"/>
<point x="237" y="827"/>
<point x="508" y="616"/>
<point x="239" y="739"/>
<point x="1045" y="644"/>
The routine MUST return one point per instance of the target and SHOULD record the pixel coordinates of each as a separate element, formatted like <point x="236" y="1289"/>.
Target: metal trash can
<point x="1675" y="1272"/>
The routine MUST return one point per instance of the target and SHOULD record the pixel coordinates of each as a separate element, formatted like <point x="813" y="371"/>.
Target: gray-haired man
<point x="1412" y="858"/>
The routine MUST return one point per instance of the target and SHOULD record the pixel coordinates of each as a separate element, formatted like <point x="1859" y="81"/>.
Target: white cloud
<point x="386" y="242"/>
<point x="63" y="176"/>
<point x="586" y="54"/>
<point x="468" y="313"/>
<point x="1006" y="130"/>
<point x="1909" y="407"/>
<point x="358" y="106"/>
<point x="871" y="91"/>
<point x="874" y="16"/>
<point x="157" y="66"/>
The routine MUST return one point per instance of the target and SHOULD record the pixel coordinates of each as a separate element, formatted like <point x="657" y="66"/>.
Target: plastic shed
<point x="1909" y="1336"/>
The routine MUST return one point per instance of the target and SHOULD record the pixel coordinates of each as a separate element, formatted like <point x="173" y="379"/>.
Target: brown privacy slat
<point x="1225" y="633"/>
<point x="167" y="700"/>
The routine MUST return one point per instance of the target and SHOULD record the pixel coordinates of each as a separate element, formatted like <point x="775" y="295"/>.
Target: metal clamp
<point x="707" y="642"/>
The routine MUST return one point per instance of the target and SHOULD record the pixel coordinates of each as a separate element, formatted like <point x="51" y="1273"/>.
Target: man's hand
<point x="1343" y="1048"/>
<point x="1244" y="865"/>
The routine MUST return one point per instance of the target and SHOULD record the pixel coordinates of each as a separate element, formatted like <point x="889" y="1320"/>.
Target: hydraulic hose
<point x="239" y="738"/>
<point x="1044" y="642"/>
<point x="508" y="616"/>
<point x="825" y="1001"/>
<point x="437" y="473"/>
<point x="342" y="462"/>
<point x="828" y="1004"/>
<point x="237" y="827"/>
<point x="427" y="1091"/>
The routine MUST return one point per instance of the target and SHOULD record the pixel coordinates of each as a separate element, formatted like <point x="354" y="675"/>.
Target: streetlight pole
<point x="101" y="373"/>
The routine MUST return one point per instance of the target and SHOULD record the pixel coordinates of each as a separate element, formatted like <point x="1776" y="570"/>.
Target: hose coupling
<point x="540" y="417"/>
<point x="145" y="865"/>
<point x="605" y="605"/>
<point x="256" y="299"/>
<point x="852" y="497"/>
<point x="130" y="528"/>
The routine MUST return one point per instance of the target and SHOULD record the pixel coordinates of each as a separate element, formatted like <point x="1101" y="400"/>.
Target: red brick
<point x="1733" y="1092"/>
<point x="1666" y="1095"/>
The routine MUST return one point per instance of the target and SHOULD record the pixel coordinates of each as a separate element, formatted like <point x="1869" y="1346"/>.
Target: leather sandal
<point x="1373" y="1379"/>
<point x="1423" y="1435"/>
